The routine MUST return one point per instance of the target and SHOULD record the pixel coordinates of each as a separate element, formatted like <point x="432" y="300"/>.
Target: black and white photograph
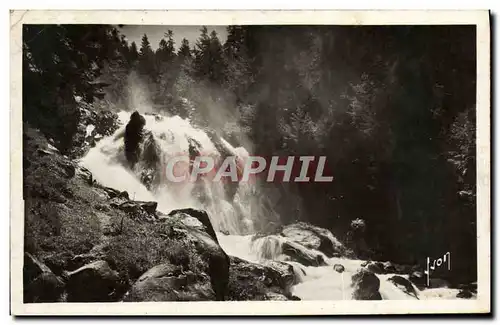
<point x="294" y="163"/>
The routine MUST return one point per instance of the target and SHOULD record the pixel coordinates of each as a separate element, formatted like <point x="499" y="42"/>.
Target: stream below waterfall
<point x="234" y="222"/>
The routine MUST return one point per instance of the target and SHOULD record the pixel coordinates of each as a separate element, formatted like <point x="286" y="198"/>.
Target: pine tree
<point x="238" y="73"/>
<point x="147" y="63"/>
<point x="166" y="49"/>
<point x="217" y="65"/>
<point x="145" y="46"/>
<point x="184" y="51"/>
<point x="133" y="53"/>
<point x="59" y="63"/>
<point x="201" y="62"/>
<point x="168" y="70"/>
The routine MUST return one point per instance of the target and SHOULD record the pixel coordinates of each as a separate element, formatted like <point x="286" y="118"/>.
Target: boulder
<point x="201" y="215"/>
<point x="40" y="284"/>
<point x="195" y="226"/>
<point x="94" y="282"/>
<point x="339" y="268"/>
<point x="376" y="267"/>
<point x="366" y="285"/>
<point x="419" y="279"/>
<point x="402" y="269"/>
<point x="166" y="282"/>
<point x="252" y="281"/>
<point x="404" y="284"/>
<point x="314" y="237"/>
<point x="388" y="267"/>
<point x="133" y="137"/>
<point x="301" y="254"/>
<point x="112" y="193"/>
<point x="283" y="274"/>
<point x="216" y="259"/>
<point x="465" y="294"/>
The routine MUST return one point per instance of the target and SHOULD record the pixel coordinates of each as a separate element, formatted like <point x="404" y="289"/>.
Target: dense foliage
<point x="392" y="108"/>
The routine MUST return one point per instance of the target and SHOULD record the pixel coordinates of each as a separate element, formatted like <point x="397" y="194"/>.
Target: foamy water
<point x="108" y="165"/>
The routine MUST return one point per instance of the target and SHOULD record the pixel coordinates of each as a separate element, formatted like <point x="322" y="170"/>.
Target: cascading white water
<point x="108" y="164"/>
<point x="109" y="167"/>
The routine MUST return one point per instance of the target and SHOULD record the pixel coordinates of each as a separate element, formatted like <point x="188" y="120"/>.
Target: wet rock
<point x="194" y="225"/>
<point x="283" y="274"/>
<point x="465" y="294"/>
<point x="376" y="267"/>
<point x="388" y="267"/>
<point x="133" y="137"/>
<point x="366" y="285"/>
<point x="167" y="282"/>
<point x="40" y="284"/>
<point x="404" y="284"/>
<point x="216" y="258"/>
<point x="201" y="215"/>
<point x="365" y="263"/>
<point x="314" y="238"/>
<point x="402" y="269"/>
<point x="94" y="282"/>
<point x="301" y="254"/>
<point x="339" y="268"/>
<point x="419" y="279"/>
<point x="252" y="281"/>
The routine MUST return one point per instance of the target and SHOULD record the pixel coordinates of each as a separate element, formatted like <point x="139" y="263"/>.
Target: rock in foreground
<point x="94" y="282"/>
<point x="40" y="284"/>
<point x="366" y="285"/>
<point x="404" y="284"/>
<point x="268" y="281"/>
<point x="167" y="282"/>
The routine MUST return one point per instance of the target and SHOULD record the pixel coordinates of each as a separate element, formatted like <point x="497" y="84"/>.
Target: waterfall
<point x="234" y="220"/>
<point x="171" y="136"/>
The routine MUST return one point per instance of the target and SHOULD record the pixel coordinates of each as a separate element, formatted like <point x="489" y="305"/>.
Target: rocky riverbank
<point x="86" y="242"/>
